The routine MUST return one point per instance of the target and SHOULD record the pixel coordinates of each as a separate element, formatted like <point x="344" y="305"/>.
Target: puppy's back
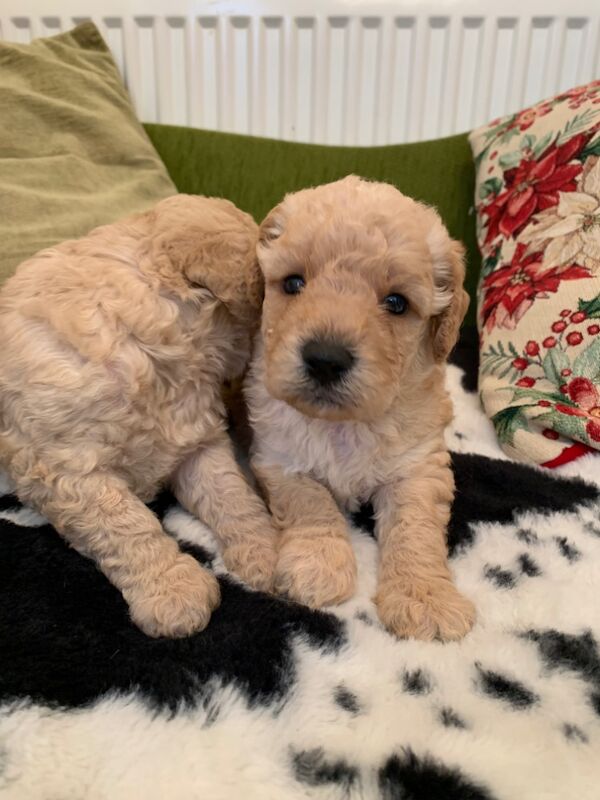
<point x="84" y="294"/>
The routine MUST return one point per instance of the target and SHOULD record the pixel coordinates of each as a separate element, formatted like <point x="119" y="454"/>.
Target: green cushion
<point x="256" y="173"/>
<point x="72" y="152"/>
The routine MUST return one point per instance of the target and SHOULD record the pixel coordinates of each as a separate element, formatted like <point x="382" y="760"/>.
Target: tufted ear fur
<point x="223" y="262"/>
<point x="207" y="243"/>
<point x="450" y="298"/>
<point x="271" y="227"/>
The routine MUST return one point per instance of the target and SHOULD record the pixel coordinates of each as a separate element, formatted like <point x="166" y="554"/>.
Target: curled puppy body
<point x="115" y="348"/>
<point x="363" y="302"/>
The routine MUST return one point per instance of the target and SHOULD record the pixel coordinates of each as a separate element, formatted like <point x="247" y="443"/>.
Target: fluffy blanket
<point x="276" y="701"/>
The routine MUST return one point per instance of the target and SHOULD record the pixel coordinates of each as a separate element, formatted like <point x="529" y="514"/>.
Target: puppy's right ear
<point x="449" y="274"/>
<point x="271" y="227"/>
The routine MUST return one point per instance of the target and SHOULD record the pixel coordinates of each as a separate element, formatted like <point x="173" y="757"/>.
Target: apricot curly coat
<point x="115" y="347"/>
<point x="377" y="434"/>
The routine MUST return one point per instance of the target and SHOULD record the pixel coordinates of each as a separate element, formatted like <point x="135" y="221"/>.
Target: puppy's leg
<point x="316" y="564"/>
<point x="169" y="593"/>
<point x="415" y="595"/>
<point x="210" y="484"/>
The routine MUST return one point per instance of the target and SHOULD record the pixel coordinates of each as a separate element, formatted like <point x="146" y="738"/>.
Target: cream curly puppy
<point x="363" y="302"/>
<point x="114" y="350"/>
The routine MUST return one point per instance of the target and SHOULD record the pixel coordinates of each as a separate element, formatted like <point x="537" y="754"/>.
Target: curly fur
<point x="379" y="434"/>
<point x="115" y="348"/>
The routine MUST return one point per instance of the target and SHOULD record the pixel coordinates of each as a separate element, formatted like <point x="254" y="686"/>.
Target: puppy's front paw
<point x="428" y="610"/>
<point x="178" y="603"/>
<point x="253" y="560"/>
<point x="316" y="566"/>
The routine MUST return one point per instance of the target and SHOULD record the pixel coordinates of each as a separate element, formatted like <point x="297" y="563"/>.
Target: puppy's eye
<point x="293" y="284"/>
<point x="396" y="303"/>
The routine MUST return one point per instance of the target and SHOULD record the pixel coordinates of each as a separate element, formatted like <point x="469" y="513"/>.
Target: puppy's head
<point x="363" y="294"/>
<point x="204" y="249"/>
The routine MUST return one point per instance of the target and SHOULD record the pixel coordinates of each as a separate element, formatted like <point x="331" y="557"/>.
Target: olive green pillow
<point x="256" y="173"/>
<point x="72" y="152"/>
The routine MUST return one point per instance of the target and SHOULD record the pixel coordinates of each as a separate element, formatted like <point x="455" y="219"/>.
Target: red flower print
<point x="587" y="397"/>
<point x="525" y="383"/>
<point x="593" y="330"/>
<point x="532" y="348"/>
<point x="574" y="338"/>
<point x="549" y="434"/>
<point x="520" y="363"/>
<point x="565" y="312"/>
<point x="558" y="327"/>
<point x="580" y="94"/>
<point x="544" y="403"/>
<point x="578" y="316"/>
<point x="525" y="119"/>
<point x="566" y="372"/>
<point x="533" y="186"/>
<point x="550" y="341"/>
<point x="510" y="291"/>
<point x="571" y="411"/>
<point x="583" y="392"/>
<point x="586" y="91"/>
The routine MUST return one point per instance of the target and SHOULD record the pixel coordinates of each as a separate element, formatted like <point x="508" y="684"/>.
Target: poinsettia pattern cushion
<point x="538" y="227"/>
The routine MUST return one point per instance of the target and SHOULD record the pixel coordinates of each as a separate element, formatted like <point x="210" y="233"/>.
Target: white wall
<point x="333" y="71"/>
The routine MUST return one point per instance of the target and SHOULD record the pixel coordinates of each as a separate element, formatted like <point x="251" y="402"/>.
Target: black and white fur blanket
<point x="276" y="702"/>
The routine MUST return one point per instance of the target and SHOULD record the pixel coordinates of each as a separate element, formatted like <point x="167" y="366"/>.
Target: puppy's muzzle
<point x="326" y="361"/>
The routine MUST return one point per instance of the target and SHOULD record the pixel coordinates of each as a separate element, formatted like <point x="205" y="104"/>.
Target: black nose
<point x="326" y="361"/>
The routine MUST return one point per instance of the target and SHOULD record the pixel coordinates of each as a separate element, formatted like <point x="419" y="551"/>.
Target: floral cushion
<point x="538" y="217"/>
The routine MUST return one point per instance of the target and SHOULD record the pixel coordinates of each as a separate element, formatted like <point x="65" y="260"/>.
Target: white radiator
<point x="332" y="71"/>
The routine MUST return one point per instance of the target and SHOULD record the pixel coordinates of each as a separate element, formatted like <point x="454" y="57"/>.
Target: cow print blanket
<point x="277" y="702"/>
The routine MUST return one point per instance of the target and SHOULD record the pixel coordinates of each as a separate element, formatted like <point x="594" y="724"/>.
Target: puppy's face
<point x="363" y="294"/>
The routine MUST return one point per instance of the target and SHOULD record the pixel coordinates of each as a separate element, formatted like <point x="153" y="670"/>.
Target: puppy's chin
<point x="323" y="409"/>
<point x="330" y="405"/>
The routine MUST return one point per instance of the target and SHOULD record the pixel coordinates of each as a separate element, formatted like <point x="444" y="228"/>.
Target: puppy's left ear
<point x="449" y="275"/>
